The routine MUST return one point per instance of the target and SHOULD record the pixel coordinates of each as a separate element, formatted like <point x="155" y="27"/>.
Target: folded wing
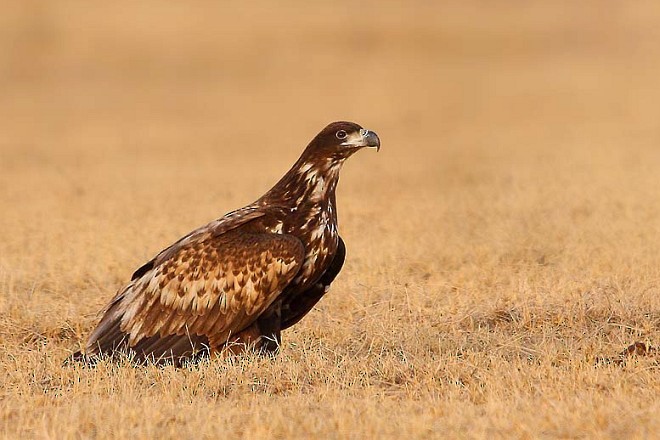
<point x="203" y="291"/>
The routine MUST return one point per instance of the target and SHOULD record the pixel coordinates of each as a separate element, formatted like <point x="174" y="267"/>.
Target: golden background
<point x="505" y="236"/>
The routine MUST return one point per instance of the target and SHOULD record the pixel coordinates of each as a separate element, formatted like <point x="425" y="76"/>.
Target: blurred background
<point x="125" y="124"/>
<point x="505" y="236"/>
<point x="154" y="79"/>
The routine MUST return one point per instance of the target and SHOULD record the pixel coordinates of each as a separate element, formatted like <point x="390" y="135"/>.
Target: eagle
<point x="240" y="280"/>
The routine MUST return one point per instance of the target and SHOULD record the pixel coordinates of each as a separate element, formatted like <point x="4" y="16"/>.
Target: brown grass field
<point x="502" y="246"/>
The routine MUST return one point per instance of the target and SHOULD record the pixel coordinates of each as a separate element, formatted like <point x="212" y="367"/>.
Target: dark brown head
<point x="341" y="139"/>
<point x="314" y="176"/>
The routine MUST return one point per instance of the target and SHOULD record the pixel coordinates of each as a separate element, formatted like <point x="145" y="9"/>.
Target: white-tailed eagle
<point x="240" y="280"/>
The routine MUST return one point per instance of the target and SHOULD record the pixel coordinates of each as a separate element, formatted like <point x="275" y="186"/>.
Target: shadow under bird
<point x="240" y="280"/>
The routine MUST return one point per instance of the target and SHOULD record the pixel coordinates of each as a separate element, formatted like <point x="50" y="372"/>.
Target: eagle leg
<point x="263" y="336"/>
<point x="243" y="341"/>
<point x="270" y="324"/>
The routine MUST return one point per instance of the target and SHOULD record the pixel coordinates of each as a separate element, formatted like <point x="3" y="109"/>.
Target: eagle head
<point x="341" y="139"/>
<point x="315" y="174"/>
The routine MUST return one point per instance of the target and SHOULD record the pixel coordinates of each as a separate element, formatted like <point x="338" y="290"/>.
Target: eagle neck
<point x="312" y="181"/>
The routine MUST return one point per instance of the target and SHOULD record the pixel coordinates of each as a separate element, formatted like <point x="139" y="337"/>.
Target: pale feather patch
<point x="306" y="167"/>
<point x="277" y="229"/>
<point x="319" y="190"/>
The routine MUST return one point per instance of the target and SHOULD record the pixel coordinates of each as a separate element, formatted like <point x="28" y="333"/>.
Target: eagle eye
<point x="341" y="134"/>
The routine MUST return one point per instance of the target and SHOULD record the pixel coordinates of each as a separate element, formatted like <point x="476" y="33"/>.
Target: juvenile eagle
<point x="242" y="279"/>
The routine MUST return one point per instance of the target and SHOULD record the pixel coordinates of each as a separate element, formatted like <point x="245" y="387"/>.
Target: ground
<point x="502" y="245"/>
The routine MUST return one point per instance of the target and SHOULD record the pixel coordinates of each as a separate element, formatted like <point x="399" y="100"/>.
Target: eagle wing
<point x="217" y="227"/>
<point x="197" y="293"/>
<point x="294" y="309"/>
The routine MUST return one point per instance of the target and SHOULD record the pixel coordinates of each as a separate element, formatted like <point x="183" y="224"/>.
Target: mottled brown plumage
<point x="241" y="279"/>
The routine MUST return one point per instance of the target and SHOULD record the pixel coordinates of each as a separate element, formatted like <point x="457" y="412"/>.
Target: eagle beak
<point x="371" y="139"/>
<point x="364" y="138"/>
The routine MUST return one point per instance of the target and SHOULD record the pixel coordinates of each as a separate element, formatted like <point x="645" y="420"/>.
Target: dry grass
<point x="505" y="237"/>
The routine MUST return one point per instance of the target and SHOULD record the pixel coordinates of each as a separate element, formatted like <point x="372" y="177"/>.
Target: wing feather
<point x="244" y="272"/>
<point x="215" y="228"/>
